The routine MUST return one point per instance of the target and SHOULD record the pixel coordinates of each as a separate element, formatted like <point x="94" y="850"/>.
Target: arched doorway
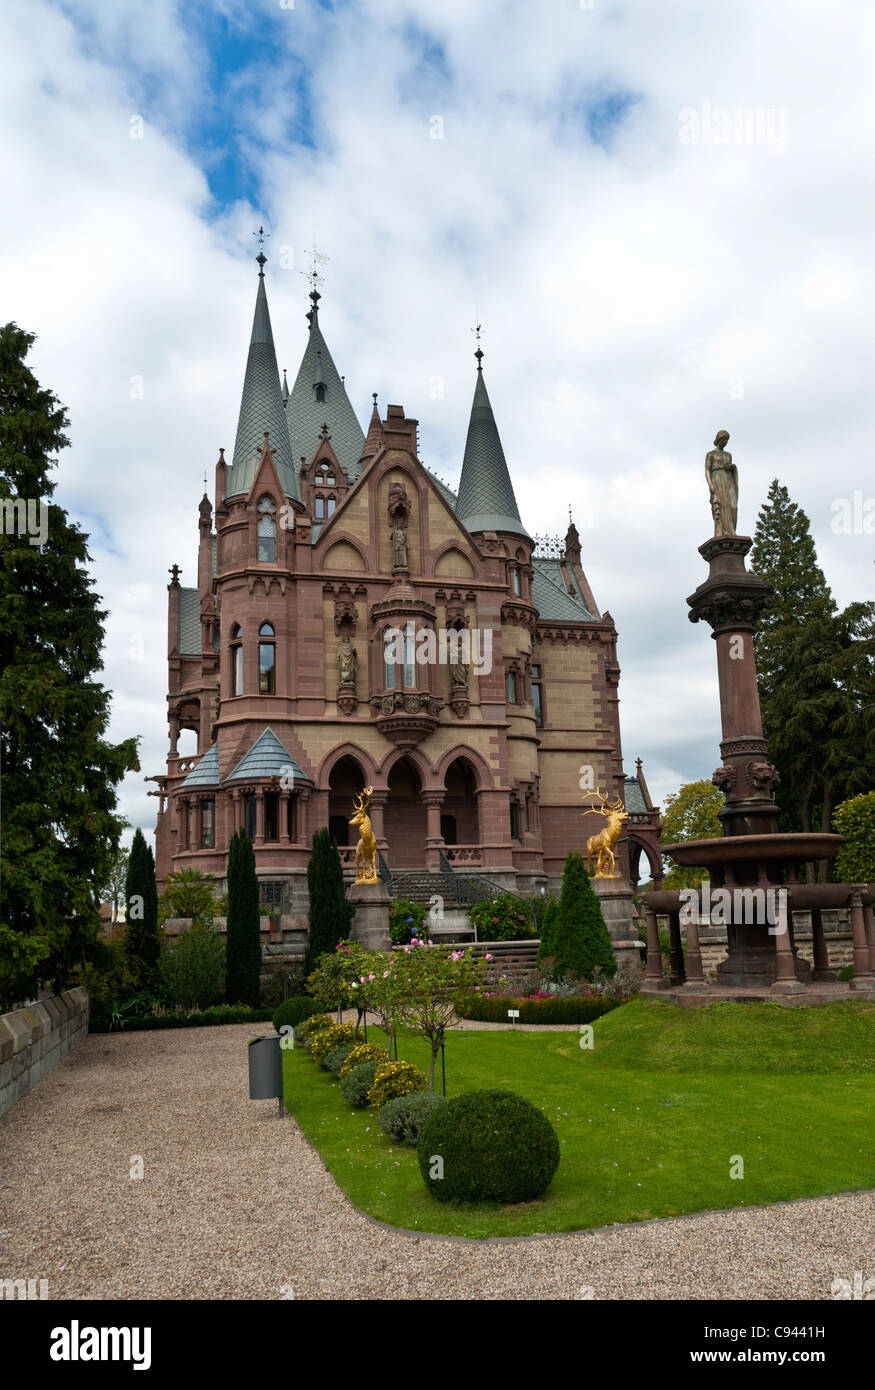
<point x="405" y="819"/>
<point x="460" y="802"/>
<point x="346" y="781"/>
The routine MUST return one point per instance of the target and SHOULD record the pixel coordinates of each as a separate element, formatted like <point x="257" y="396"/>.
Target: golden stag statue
<point x="602" y="845"/>
<point x="366" y="849"/>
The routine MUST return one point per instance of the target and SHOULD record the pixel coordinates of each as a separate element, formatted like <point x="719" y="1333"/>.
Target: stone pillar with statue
<point x="615" y="895"/>
<point x="368" y="894"/>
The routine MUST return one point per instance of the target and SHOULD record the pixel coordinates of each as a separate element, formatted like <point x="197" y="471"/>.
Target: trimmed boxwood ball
<point x="404" y="1118"/>
<point x="356" y="1084"/>
<point x="336" y="1057"/>
<point x="293" y="1011"/>
<point x="495" y="1146"/>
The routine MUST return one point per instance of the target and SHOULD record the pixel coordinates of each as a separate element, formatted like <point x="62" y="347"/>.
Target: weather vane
<point x="261" y="257"/>
<point x="317" y="258"/>
<point x="479" y="354"/>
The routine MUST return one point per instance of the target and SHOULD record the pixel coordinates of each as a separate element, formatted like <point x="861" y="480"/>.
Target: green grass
<point x="647" y="1120"/>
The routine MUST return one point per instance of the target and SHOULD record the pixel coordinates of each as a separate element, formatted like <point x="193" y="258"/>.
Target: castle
<point x="357" y="624"/>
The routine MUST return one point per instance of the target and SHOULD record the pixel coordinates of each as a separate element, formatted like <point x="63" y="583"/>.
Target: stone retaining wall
<point x="32" y="1040"/>
<point x="837" y="935"/>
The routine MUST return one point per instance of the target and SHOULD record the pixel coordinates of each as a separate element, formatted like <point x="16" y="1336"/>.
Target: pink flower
<point x="362" y="978"/>
<point x="489" y="958"/>
<point x="372" y="977"/>
<point x="385" y="974"/>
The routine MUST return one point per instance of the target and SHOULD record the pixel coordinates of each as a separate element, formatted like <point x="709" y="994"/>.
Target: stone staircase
<point x="513" y="959"/>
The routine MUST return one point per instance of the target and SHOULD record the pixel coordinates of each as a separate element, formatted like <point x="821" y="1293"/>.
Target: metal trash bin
<point x="265" y="1068"/>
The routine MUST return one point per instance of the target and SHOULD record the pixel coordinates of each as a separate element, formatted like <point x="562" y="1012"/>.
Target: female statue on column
<point x="722" y="476"/>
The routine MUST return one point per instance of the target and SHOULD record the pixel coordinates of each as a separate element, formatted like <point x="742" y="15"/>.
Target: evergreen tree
<point x="243" y="984"/>
<point x="330" y="913"/>
<point x="60" y="828"/>
<point x="546" y="945"/>
<point x="141" y="943"/>
<point x="690" y="813"/>
<point x="581" y="940"/>
<point x="816" y="670"/>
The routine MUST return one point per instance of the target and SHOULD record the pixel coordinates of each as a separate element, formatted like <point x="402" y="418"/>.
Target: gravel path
<point x="234" y="1203"/>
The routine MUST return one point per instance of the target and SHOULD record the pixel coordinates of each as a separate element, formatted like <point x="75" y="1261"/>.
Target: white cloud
<point x="634" y="298"/>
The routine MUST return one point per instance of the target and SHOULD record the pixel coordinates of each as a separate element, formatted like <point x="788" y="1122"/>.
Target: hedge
<point x="223" y="1013"/>
<point x="573" y="1008"/>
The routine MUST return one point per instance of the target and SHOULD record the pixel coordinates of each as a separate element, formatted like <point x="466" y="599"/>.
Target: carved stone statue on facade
<point x="400" y="549"/>
<point x="722" y="476"/>
<point x="459" y="675"/>
<point x="346" y="661"/>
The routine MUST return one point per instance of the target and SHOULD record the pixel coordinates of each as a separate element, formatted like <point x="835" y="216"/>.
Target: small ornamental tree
<point x="345" y="976"/>
<point x="330" y="915"/>
<point x="244" y="924"/>
<point x="419" y="987"/>
<point x="189" y="893"/>
<point x="141" y="944"/>
<point x="855" y="819"/>
<point x="581" y="941"/>
<point x="546" y="946"/>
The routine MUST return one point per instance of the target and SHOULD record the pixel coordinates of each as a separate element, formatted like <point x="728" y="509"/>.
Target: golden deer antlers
<point x="359" y="804"/>
<point x="607" y="808"/>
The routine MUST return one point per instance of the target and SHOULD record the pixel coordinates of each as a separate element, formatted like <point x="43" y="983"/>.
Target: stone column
<point x="869" y="920"/>
<point x="434" y="842"/>
<point x="174" y="733"/>
<point x="863" y="976"/>
<point x="198" y="823"/>
<point x="235" y="810"/>
<point x="785" y="978"/>
<point x="375" y="812"/>
<point x="821" y="956"/>
<point x="259" y="816"/>
<point x="182" y="808"/>
<point x="285" y="798"/>
<point x="303" y="816"/>
<point x="653" y="975"/>
<point x="695" y="974"/>
<point x="678" y="974"/>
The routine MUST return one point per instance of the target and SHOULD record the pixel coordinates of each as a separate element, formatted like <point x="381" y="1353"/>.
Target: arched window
<point x="326" y="476"/>
<point x="515" y="581"/>
<point x="388" y="658"/>
<point x="236" y="660"/>
<point x="329" y="506"/>
<point x="266" y="660"/>
<point x="320" y="508"/>
<point x="266" y="529"/>
<point x="409" y="656"/>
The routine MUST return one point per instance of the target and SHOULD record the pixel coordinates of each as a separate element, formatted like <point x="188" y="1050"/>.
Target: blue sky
<point x="513" y="164"/>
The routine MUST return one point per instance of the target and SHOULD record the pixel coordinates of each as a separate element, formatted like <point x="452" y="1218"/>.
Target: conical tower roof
<point x="319" y="397"/>
<point x="261" y="408"/>
<point x="486" y="499"/>
<point x="374" y="439"/>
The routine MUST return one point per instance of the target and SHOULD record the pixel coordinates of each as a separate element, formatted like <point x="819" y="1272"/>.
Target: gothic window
<point x="409" y="657"/>
<point x="320" y="508"/>
<point x="388" y="663"/>
<point x="514" y="821"/>
<point x="329" y="506"/>
<point x="271" y="816"/>
<point x="537" y="697"/>
<point x="511" y="687"/>
<point x="326" y="478"/>
<point x="266" y="530"/>
<point x="515" y="581"/>
<point x="208" y="823"/>
<point x="236" y="660"/>
<point x="266" y="660"/>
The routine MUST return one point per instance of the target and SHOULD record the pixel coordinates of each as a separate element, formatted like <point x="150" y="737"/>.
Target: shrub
<point x="406" y="920"/>
<point x="243" y="922"/>
<point x="846" y="973"/>
<point x="404" y="1118"/>
<point x="495" y="1146"/>
<point x="311" y="1026"/>
<point x="357" y="1083"/>
<point x="548" y="930"/>
<point x="855" y="819"/>
<point x="327" y="1039"/>
<point x="192" y="968"/>
<point x="575" y="1008"/>
<point x="364" y="1052"/>
<point x="330" y="913"/>
<point x="580" y="938"/>
<point x="394" y="1079"/>
<point x="295" y="1011"/>
<point x="336" y="1058"/>
<point x="504" y="918"/>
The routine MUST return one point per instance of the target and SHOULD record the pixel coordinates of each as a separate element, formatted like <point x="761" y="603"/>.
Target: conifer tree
<point x="330" y="913"/>
<point x="141" y="942"/>
<point x="60" y="828"/>
<point x="816" y="670"/>
<point x="548" y="930"/>
<point x="581" y="940"/>
<point x="243" y="939"/>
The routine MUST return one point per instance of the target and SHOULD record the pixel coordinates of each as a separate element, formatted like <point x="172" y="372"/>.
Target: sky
<point x="661" y="214"/>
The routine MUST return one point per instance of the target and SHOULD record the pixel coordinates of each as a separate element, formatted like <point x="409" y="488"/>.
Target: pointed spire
<point x="486" y="497"/>
<point x="306" y="412"/>
<point x="261" y="407"/>
<point x="374" y="439"/>
<point x="285" y="388"/>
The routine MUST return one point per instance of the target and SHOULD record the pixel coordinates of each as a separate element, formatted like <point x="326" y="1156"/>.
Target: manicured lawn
<point x="647" y="1120"/>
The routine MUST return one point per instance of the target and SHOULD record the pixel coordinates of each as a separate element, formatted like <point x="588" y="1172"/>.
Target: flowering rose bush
<point x="405" y="920"/>
<point x="505" y="918"/>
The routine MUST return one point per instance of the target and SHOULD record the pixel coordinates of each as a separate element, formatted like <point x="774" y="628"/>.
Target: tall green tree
<point x="60" y="828"/>
<point x="580" y="939"/>
<point x="690" y="813"/>
<point x="330" y="913"/>
<point x="141" y="943"/>
<point x="242" y="984"/>
<point x="816" y="669"/>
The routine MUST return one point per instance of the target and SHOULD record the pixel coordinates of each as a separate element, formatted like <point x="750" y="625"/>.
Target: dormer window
<point x="266" y="530"/>
<point x="320" y="392"/>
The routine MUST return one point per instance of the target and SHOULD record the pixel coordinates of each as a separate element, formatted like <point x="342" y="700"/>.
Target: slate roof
<point x="633" y="798"/>
<point x="261" y="408"/>
<point x="266" y="758"/>
<point x="305" y="416"/>
<point x="551" y="597"/>
<point x="486" y="500"/>
<point x="189" y="622"/>
<point x="206" y="774"/>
